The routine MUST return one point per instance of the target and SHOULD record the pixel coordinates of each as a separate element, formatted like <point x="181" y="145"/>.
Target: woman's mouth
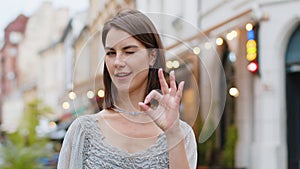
<point x="122" y="75"/>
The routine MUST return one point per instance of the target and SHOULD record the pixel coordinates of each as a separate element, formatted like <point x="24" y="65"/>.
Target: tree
<point x="24" y="148"/>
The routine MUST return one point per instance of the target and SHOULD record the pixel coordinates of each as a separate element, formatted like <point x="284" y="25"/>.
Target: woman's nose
<point x="119" y="60"/>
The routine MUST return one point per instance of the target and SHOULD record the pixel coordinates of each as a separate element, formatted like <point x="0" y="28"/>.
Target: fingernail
<point x="146" y="101"/>
<point x="183" y="83"/>
<point x="172" y="72"/>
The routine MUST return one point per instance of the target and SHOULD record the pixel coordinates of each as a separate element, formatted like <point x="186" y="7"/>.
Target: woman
<point x="139" y="126"/>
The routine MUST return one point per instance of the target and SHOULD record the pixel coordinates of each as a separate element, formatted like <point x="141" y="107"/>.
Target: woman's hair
<point x="142" y="29"/>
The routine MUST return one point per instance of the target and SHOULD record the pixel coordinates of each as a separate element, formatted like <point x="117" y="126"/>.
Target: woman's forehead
<point x="118" y="38"/>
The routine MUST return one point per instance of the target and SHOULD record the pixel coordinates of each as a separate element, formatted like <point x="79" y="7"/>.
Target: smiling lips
<point x="122" y="75"/>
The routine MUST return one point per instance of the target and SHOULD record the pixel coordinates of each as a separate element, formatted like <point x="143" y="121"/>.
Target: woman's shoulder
<point x="187" y="130"/>
<point x="185" y="127"/>
<point x="84" y="120"/>
<point x="189" y="135"/>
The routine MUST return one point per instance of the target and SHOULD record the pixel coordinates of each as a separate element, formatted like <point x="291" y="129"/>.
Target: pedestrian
<point x="139" y="126"/>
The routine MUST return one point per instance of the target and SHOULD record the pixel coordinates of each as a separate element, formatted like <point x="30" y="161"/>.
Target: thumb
<point x="148" y="110"/>
<point x="144" y="107"/>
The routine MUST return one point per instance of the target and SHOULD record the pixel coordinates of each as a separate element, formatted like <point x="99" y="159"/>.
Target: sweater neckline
<point x="154" y="148"/>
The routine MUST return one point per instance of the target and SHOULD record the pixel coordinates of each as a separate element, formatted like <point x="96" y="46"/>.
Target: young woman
<point x="139" y="126"/>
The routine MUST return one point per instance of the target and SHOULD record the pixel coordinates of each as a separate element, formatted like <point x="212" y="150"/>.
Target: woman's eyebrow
<point x="129" y="46"/>
<point x="124" y="48"/>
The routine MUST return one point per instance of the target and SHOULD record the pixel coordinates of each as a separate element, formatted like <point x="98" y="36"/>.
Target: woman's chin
<point x="123" y="88"/>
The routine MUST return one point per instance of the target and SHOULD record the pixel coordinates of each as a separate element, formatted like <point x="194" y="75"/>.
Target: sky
<point x="10" y="9"/>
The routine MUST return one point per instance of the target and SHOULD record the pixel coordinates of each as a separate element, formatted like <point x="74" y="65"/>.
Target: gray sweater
<point x="84" y="147"/>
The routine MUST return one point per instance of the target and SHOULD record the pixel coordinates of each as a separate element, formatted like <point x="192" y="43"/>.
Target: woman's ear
<point x="153" y="55"/>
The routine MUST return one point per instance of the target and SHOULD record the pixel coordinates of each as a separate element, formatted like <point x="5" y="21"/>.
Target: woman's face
<point x="127" y="61"/>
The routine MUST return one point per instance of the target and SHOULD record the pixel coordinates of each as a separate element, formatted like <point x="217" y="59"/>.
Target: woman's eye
<point x="129" y="52"/>
<point x="110" y="53"/>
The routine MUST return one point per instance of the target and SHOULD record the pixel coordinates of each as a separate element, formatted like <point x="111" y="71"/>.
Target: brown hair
<point x="141" y="28"/>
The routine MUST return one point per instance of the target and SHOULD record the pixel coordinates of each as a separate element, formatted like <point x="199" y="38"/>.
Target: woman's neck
<point x="129" y="101"/>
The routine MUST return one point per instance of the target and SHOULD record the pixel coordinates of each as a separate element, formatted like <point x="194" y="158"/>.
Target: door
<point x="293" y="100"/>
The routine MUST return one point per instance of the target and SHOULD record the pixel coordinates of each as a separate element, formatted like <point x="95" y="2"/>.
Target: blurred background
<point x="240" y="60"/>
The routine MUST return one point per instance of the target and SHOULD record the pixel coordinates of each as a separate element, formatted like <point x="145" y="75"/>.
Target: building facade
<point x="266" y="115"/>
<point x="262" y="104"/>
<point x="9" y="79"/>
<point x="39" y="32"/>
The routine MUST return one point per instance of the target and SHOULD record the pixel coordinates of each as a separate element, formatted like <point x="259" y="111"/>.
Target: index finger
<point x="163" y="83"/>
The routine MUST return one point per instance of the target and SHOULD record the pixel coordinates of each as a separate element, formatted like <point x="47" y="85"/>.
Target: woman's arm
<point x="166" y="116"/>
<point x="176" y="146"/>
<point x="70" y="156"/>
<point x="184" y="148"/>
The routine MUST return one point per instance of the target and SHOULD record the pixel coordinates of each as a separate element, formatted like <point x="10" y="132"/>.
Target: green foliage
<point x="24" y="147"/>
<point x="207" y="148"/>
<point x="210" y="155"/>
<point x="22" y="157"/>
<point x="228" y="154"/>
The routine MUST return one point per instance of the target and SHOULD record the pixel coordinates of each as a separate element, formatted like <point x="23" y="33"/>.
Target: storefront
<point x="224" y="88"/>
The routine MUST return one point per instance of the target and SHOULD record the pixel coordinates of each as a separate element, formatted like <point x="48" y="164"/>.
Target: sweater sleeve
<point x="71" y="153"/>
<point x="190" y="145"/>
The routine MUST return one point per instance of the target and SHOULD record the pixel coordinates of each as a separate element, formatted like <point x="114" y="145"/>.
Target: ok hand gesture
<point x="166" y="115"/>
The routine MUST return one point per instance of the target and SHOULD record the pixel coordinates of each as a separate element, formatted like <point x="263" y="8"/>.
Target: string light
<point x="196" y="50"/>
<point x="249" y="26"/>
<point x="66" y="105"/>
<point x="72" y="95"/>
<point x="173" y="64"/>
<point x="219" y="41"/>
<point x="101" y="93"/>
<point x="234" y="92"/>
<point x="90" y="94"/>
